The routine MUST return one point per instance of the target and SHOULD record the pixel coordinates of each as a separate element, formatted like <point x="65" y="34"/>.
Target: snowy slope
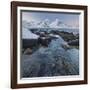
<point x="26" y="34"/>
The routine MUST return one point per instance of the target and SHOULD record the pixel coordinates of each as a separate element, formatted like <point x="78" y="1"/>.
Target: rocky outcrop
<point x="74" y="42"/>
<point x="65" y="35"/>
<point x="29" y="43"/>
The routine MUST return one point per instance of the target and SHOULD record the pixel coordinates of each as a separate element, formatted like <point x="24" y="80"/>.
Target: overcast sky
<point x="67" y="18"/>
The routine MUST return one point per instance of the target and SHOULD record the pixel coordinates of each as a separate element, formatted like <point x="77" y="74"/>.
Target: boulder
<point x="44" y="41"/>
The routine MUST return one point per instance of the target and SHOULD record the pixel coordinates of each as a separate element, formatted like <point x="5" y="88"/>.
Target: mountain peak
<point x="47" y="24"/>
<point x="44" y="24"/>
<point x="56" y="23"/>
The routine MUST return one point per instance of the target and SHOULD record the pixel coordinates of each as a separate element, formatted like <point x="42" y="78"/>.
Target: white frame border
<point x="58" y="78"/>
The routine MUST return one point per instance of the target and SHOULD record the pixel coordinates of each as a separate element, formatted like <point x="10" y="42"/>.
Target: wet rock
<point x="44" y="41"/>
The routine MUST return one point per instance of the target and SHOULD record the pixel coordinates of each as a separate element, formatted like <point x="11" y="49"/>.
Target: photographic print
<point x="49" y="44"/>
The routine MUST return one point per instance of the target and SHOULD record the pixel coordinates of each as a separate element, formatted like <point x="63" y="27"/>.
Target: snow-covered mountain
<point x="44" y="24"/>
<point x="58" y="24"/>
<point x="47" y="24"/>
<point x="31" y="24"/>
